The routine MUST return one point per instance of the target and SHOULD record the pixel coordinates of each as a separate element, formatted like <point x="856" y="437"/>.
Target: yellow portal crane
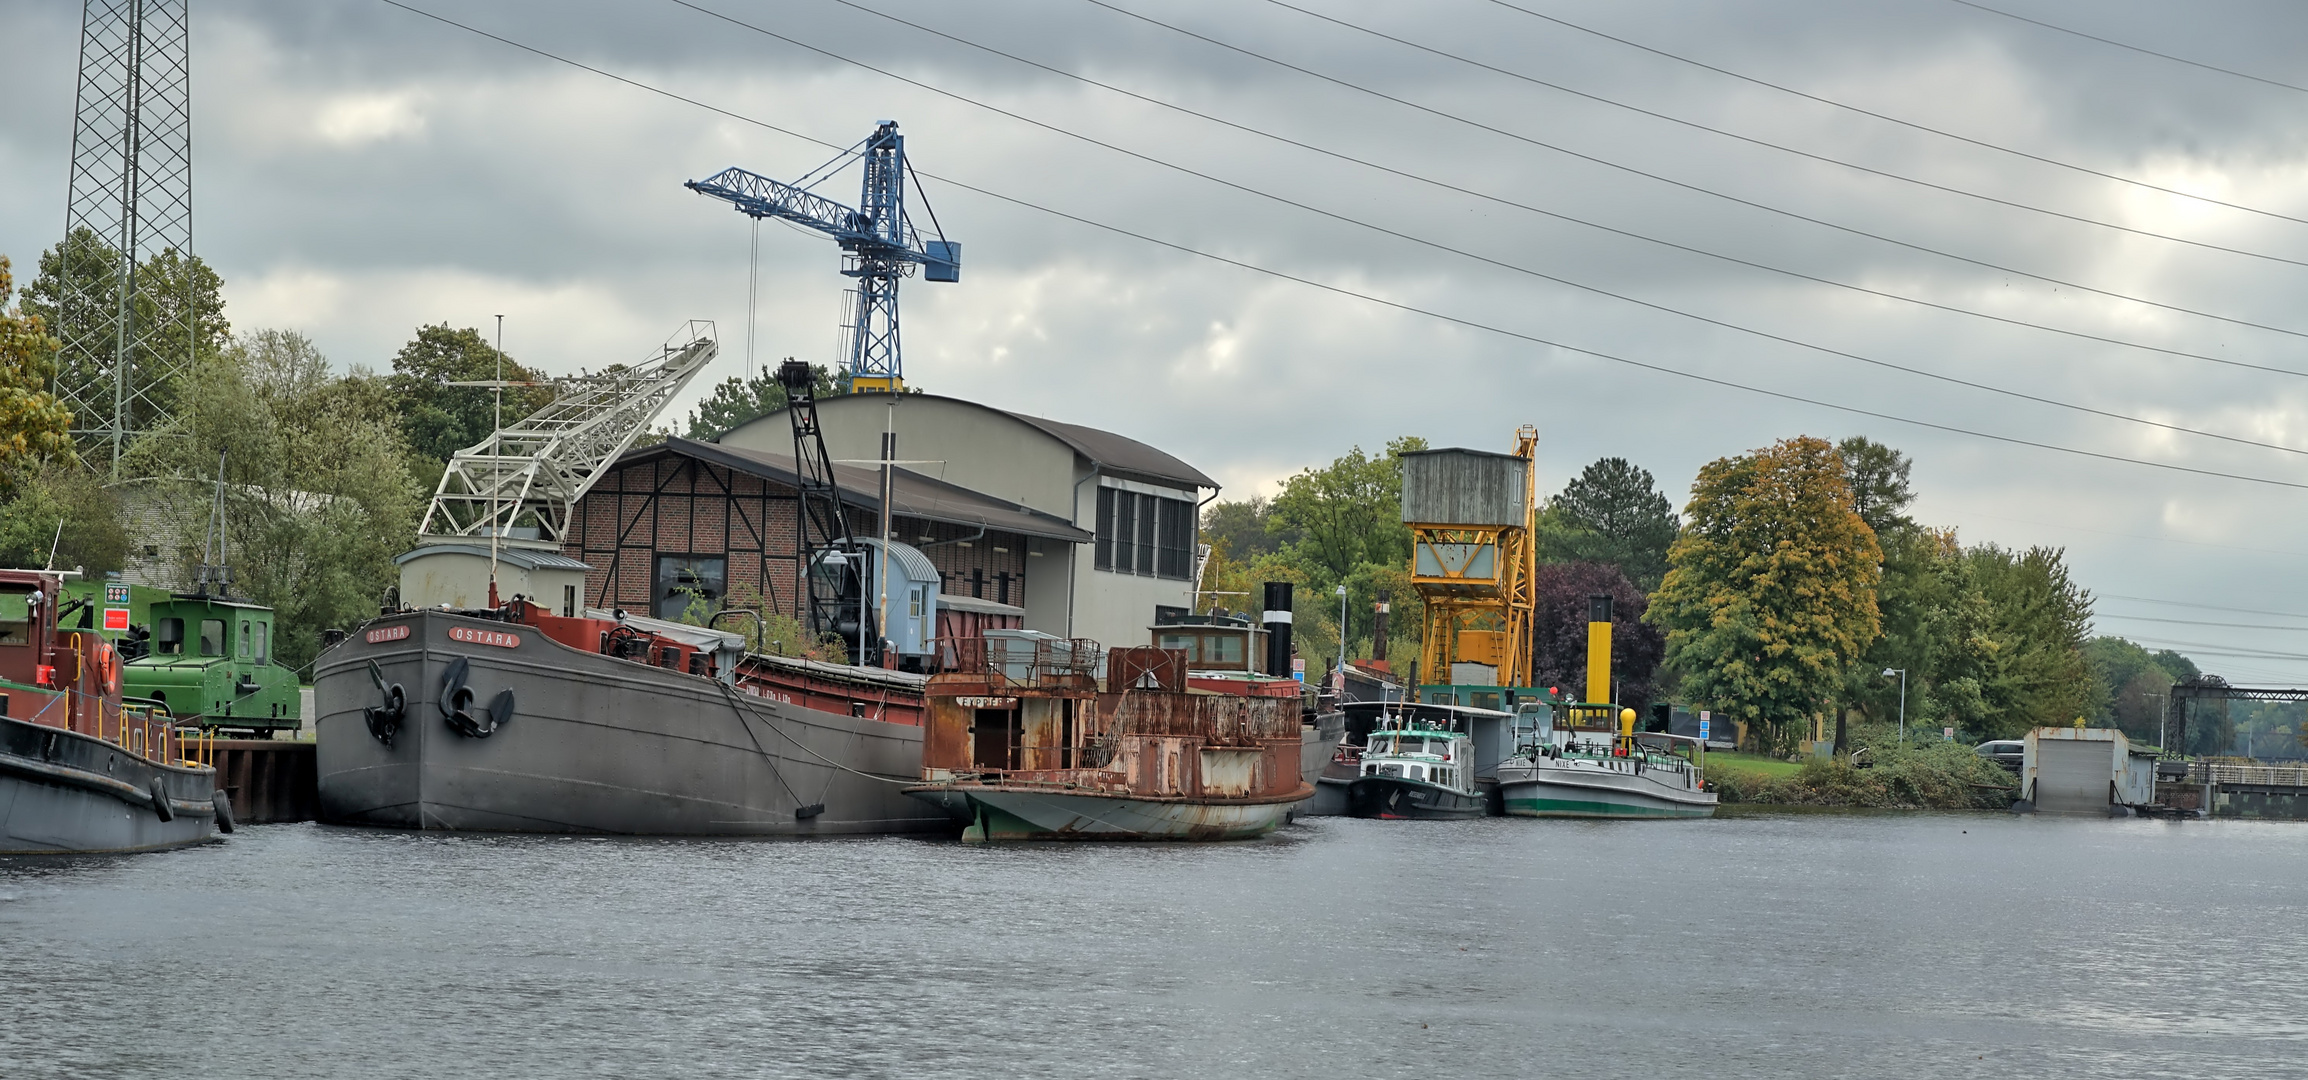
<point x="1472" y="558"/>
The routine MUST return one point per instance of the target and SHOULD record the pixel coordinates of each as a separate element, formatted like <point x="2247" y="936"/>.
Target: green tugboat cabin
<point x="210" y="659"/>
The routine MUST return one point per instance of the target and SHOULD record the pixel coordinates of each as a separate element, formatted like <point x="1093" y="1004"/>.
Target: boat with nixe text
<point x="1585" y="759"/>
<point x="82" y="769"/>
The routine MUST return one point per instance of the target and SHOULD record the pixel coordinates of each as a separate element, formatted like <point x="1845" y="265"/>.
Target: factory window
<point x="1144" y="534"/>
<point x="683" y="580"/>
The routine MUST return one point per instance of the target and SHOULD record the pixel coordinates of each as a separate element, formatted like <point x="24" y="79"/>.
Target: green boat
<point x="208" y="658"/>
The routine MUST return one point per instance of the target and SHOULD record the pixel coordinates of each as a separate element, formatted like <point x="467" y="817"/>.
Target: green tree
<point x="2037" y="617"/>
<point x="736" y="399"/>
<point x="34" y="426"/>
<point x="438" y="419"/>
<point x="1346" y="514"/>
<point x="2131" y="686"/>
<point x="1770" y="591"/>
<point x="319" y="492"/>
<point x="62" y="508"/>
<point x="178" y="322"/>
<point x="1879" y="486"/>
<point x="1612" y="512"/>
<point x="1918" y="595"/>
<point x="1242" y="529"/>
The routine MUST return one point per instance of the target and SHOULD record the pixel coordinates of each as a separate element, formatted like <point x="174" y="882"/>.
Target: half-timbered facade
<point x="682" y="520"/>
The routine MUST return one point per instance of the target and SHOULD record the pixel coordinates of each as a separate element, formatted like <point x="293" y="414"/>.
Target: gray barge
<point x="80" y="770"/>
<point x="519" y="721"/>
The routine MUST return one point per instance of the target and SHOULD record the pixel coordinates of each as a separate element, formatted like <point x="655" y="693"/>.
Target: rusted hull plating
<point x="1005" y="812"/>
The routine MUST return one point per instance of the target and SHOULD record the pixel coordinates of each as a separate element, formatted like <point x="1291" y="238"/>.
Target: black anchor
<point x="385" y="720"/>
<point x="457" y="704"/>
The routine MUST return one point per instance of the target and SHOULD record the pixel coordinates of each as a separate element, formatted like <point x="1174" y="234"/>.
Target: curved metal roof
<point x="915" y="565"/>
<point x="1112" y="453"/>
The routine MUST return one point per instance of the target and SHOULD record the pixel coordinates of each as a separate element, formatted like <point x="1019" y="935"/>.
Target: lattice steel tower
<point x="125" y="346"/>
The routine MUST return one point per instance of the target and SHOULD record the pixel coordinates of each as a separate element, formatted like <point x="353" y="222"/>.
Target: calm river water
<point x="1748" y="946"/>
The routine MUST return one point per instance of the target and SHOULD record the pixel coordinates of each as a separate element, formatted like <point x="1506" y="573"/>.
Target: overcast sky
<point x="361" y="170"/>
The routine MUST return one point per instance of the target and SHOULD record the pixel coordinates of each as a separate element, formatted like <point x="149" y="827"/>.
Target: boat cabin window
<point x="1204" y="649"/>
<point x="168" y="636"/>
<point x="212" y="637"/>
<point x="16" y="618"/>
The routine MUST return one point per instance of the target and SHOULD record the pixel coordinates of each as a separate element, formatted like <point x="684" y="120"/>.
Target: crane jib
<point x="879" y="237"/>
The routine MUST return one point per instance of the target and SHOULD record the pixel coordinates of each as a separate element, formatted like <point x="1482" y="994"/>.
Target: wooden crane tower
<point x="1474" y="563"/>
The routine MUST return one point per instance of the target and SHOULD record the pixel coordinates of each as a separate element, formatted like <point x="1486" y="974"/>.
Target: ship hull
<point x="594" y="745"/>
<point x="1320" y="745"/>
<point x="62" y="792"/>
<point x="1394" y="798"/>
<point x="1004" y="812"/>
<point x="1549" y="790"/>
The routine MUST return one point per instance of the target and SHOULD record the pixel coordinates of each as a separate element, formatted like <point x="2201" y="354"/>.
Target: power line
<point x="1767" y="208"/>
<point x="1464" y="253"/>
<point x="2199" y="648"/>
<point x="2130" y="47"/>
<point x="2207" y="607"/>
<point x="1340" y="290"/>
<point x="2136" y="536"/>
<point x="2197" y="622"/>
<point x="1982" y="143"/>
<point x="1766" y="143"/>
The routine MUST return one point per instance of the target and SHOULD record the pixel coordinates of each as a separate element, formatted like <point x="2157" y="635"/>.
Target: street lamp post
<point x="1902" y="673"/>
<point x="1342" y="642"/>
<point x="2163" y="704"/>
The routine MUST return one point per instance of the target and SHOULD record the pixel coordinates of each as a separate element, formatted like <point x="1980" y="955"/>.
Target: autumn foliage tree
<point x="33" y="424"/>
<point x="1770" y="592"/>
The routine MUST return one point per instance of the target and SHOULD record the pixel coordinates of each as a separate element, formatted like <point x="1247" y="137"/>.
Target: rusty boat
<point x="81" y="768"/>
<point x="1024" y="743"/>
<point x="514" y="719"/>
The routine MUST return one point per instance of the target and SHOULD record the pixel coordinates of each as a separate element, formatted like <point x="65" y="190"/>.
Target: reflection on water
<point x="1763" y="946"/>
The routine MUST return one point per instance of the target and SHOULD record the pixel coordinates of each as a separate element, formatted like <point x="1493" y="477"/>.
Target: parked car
<point x="2009" y="753"/>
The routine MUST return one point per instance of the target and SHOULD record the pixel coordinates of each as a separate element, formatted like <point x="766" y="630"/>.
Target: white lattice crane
<point x="539" y="466"/>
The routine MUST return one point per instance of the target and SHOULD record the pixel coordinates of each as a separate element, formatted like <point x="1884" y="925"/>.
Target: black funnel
<point x="1277" y="622"/>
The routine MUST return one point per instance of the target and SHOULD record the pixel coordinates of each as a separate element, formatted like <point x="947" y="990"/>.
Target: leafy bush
<point x="1935" y="775"/>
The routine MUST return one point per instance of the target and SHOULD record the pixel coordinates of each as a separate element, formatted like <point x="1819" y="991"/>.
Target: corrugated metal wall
<point x="1464" y="487"/>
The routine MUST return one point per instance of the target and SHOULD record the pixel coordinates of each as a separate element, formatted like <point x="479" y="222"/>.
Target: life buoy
<point x="108" y="666"/>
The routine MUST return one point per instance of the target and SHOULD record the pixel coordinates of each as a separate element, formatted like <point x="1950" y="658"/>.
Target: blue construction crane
<point x="878" y="242"/>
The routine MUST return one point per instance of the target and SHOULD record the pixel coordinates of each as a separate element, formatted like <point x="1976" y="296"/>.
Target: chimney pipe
<point x="1378" y="627"/>
<point x="1277" y="621"/>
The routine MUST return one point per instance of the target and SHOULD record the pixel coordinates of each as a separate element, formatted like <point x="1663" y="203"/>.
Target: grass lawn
<point x="1753" y="764"/>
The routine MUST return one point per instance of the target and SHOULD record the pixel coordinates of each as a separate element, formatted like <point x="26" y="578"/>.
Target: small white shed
<point x="2084" y="771"/>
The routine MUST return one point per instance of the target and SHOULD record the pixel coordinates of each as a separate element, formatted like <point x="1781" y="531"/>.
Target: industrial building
<point x="1134" y="508"/>
<point x="1024" y="522"/>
